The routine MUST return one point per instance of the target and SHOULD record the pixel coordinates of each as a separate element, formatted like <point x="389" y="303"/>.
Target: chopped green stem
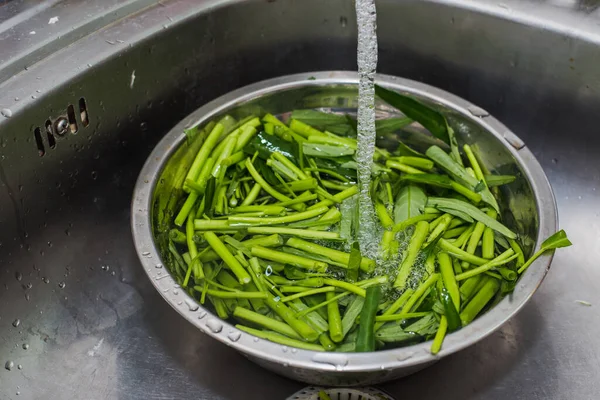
<point x="268" y="188"/>
<point x="413" y="220"/>
<point x="439" y="229"/>
<point x="265" y="322"/>
<point x="473" y="242"/>
<point x="339" y="197"/>
<point x="246" y="221"/>
<point x="474" y="163"/>
<point x="232" y="295"/>
<point x="309" y="292"/>
<point x="399" y="317"/>
<point x="461" y="254"/>
<point x="468" y="193"/>
<point x="251" y="197"/>
<point x="227" y="257"/>
<point x="329" y="172"/>
<point x="414" y="246"/>
<point x="291" y="259"/>
<point x="436" y="345"/>
<point x="346" y="286"/>
<point x="418" y="162"/>
<point x="518" y="251"/>
<point x="307" y="196"/>
<point x="383" y="215"/>
<point x="204" y="153"/>
<point x="447" y="272"/>
<point x="302" y="328"/>
<point x="502" y="259"/>
<point x="396" y="305"/>
<point x="423" y="287"/>
<point x="478" y="302"/>
<point x="278" y="338"/>
<point x="334" y="319"/>
<point x="402" y="167"/>
<point x="366" y="264"/>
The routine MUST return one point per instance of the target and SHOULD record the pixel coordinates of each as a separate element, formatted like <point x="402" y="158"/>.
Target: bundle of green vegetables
<point x="266" y="231"/>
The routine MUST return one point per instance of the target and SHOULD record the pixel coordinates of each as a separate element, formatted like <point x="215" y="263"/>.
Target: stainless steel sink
<point x="89" y="324"/>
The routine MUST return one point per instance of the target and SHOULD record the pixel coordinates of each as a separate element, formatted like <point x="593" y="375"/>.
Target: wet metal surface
<point x="90" y="324"/>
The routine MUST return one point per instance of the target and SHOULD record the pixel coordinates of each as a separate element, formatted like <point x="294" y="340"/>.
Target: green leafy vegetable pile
<point x="266" y="232"/>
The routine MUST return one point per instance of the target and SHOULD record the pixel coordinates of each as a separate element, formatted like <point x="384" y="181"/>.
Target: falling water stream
<point x="367" y="63"/>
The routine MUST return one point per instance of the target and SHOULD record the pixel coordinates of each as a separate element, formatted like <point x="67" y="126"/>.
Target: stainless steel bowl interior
<point x="530" y="210"/>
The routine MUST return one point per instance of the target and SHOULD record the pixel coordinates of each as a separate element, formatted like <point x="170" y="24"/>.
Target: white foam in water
<point x="367" y="63"/>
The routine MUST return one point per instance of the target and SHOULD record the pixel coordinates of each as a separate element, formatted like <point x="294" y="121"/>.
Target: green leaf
<point x="404" y="150"/>
<point x="556" y="241"/>
<point x="431" y="119"/>
<point x="409" y="203"/>
<point x="462" y="215"/>
<point x="479" y="187"/>
<point x="472" y="211"/>
<point x="325" y="150"/>
<point x="393" y="333"/>
<point x="450" y="311"/>
<point x="266" y="144"/>
<point x="335" y="123"/>
<point x="391" y="125"/>
<point x="428" y="179"/>
<point x="497" y="180"/>
<point x="424" y="326"/>
<point x="459" y="174"/>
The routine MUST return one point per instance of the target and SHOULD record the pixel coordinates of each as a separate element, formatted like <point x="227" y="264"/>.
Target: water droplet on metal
<point x="6" y="112"/>
<point x="45" y="280"/>
<point x="202" y="314"/>
<point x="158" y="266"/>
<point x="9" y="365"/>
<point x="25" y="346"/>
<point x="19" y="366"/>
<point x="175" y="292"/>
<point x="62" y="285"/>
<point x="19" y="276"/>
<point x="256" y="339"/>
<point x="192" y="305"/>
<point x="214" y="325"/>
<point x="294" y="351"/>
<point x="234" y="336"/>
<point x="284" y="349"/>
<point x="16" y="322"/>
<point x="339" y="361"/>
<point x="478" y="111"/>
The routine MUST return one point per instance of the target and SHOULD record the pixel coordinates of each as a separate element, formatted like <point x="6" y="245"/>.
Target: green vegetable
<point x="366" y="338"/>
<point x="558" y="240"/>
<point x="259" y="220"/>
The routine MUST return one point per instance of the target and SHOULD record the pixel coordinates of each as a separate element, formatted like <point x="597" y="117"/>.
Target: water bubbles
<point x="16" y="322"/>
<point x="45" y="280"/>
<point x="234" y="336"/>
<point x="192" y="305"/>
<point x="62" y="285"/>
<point x="6" y="112"/>
<point x="214" y="325"/>
<point x="9" y="365"/>
<point x="19" y="276"/>
<point x="25" y="346"/>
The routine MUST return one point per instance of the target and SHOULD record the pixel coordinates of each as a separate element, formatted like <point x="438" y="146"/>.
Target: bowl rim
<point x="402" y="357"/>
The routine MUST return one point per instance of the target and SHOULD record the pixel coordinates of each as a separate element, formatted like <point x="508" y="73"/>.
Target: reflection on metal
<point x="516" y="63"/>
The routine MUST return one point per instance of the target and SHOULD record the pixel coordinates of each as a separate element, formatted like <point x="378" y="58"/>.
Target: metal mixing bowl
<point x="530" y="210"/>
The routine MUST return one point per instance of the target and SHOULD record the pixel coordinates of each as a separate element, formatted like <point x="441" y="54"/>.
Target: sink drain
<point x="366" y="393"/>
